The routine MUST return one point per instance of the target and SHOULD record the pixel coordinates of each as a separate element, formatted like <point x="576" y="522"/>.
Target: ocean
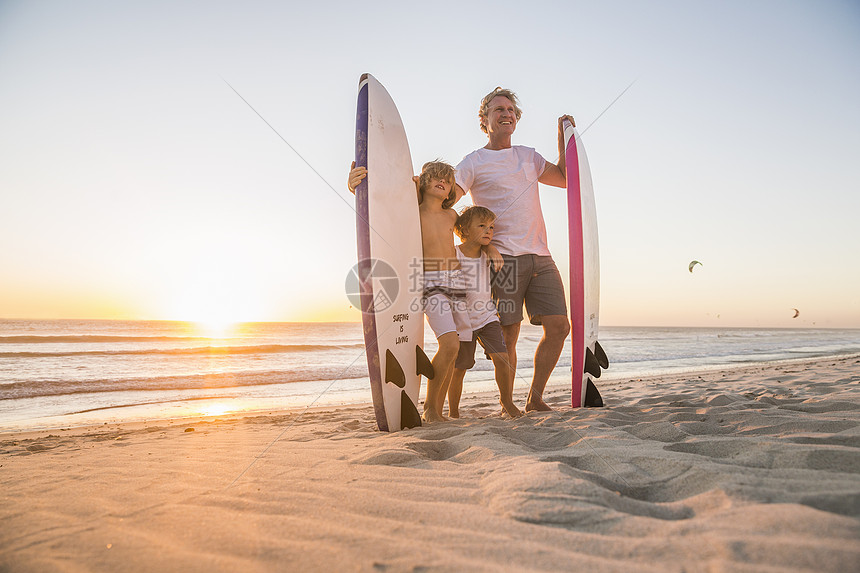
<point x="63" y="373"/>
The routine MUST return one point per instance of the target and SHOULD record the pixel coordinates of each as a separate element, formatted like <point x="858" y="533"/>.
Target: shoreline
<point x="557" y="384"/>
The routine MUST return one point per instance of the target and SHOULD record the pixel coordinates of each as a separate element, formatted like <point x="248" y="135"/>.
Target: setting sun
<point x="213" y="296"/>
<point x="215" y="328"/>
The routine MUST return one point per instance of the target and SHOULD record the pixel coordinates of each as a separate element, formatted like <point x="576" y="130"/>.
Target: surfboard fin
<point x="423" y="366"/>
<point x="592" y="396"/>
<point x="600" y="354"/>
<point x="409" y="416"/>
<point x="591" y="365"/>
<point x="393" y="371"/>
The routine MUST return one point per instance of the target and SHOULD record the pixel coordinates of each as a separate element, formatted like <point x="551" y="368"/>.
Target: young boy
<point x="444" y="284"/>
<point x="475" y="229"/>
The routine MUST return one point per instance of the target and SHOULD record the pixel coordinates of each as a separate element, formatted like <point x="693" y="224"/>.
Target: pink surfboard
<point x="588" y="357"/>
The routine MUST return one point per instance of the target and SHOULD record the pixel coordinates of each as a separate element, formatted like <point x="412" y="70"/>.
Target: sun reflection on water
<point x="216" y="409"/>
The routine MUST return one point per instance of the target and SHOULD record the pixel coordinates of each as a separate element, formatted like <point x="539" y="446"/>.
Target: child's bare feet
<point x="511" y="410"/>
<point x="453" y="413"/>
<point x="430" y="416"/>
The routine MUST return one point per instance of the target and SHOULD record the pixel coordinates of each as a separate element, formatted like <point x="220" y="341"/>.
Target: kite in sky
<point x="796" y="313"/>
<point x="693" y="264"/>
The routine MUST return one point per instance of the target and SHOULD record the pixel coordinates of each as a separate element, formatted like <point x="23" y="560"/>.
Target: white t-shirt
<point x="506" y="182"/>
<point x="479" y="298"/>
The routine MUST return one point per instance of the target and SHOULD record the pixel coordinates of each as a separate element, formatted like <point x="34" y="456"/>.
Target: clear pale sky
<point x="135" y="184"/>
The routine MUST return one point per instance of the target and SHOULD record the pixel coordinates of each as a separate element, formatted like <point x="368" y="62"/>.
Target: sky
<point x="135" y="184"/>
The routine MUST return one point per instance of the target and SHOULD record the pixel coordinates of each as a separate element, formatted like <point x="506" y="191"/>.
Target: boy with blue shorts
<point x="475" y="229"/>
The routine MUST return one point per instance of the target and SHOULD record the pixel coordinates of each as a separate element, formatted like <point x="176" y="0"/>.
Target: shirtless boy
<point x="444" y="285"/>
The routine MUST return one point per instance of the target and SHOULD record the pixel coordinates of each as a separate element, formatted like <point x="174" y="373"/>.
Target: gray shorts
<point x="492" y="340"/>
<point x="530" y="279"/>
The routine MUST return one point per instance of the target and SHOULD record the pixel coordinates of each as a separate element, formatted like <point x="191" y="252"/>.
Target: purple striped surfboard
<point x="390" y="270"/>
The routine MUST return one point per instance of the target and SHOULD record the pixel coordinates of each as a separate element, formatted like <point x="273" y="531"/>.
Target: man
<point x="504" y="178"/>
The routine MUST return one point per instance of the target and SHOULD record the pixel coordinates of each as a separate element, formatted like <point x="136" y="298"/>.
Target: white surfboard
<point x="390" y="265"/>
<point x="588" y="357"/>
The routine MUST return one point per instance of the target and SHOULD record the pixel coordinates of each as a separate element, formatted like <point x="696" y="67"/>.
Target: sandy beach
<point x="749" y="469"/>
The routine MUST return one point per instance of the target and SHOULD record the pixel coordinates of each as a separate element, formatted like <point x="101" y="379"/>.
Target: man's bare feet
<point x="430" y="416"/>
<point x="453" y="413"/>
<point x="536" y="404"/>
